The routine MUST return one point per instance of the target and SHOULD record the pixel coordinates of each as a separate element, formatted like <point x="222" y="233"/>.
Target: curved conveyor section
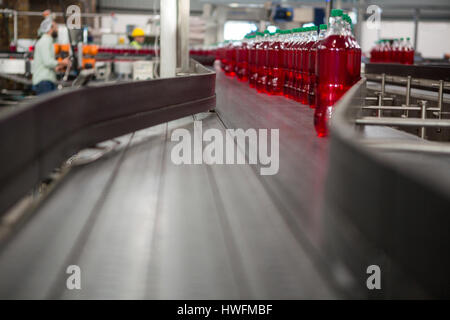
<point x="398" y="203"/>
<point x="39" y="137"/>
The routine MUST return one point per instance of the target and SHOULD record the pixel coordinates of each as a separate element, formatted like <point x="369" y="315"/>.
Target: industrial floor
<point x="141" y="227"/>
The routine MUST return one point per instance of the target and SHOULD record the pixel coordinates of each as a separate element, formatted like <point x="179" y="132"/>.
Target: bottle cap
<point x="315" y="28"/>
<point x="401" y="39"/>
<point x="408" y="38"/>
<point x="337" y="12"/>
<point x="323" y="27"/>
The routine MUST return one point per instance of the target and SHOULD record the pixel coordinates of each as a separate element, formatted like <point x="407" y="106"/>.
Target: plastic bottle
<point x="242" y="60"/>
<point x="261" y="62"/>
<point x="374" y="52"/>
<point x="269" y="55"/>
<point x="291" y="62"/>
<point x="275" y="77"/>
<point x="287" y="42"/>
<point x="253" y="56"/>
<point x="402" y="48"/>
<point x="222" y="56"/>
<point x="354" y="56"/>
<point x="386" y="51"/>
<point x="230" y="54"/>
<point x="298" y="64"/>
<point x="396" y="51"/>
<point x="252" y="70"/>
<point x="409" y="52"/>
<point x="331" y="72"/>
<point x="312" y="65"/>
<point x="310" y="39"/>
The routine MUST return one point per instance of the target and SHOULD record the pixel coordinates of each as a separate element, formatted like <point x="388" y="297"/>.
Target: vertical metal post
<point x="168" y="38"/>
<point x="381" y="95"/>
<point x="221" y="19"/>
<point x="183" y="35"/>
<point x="15" y="28"/>
<point x="416" y="26"/>
<point x="440" y="97"/>
<point x="328" y="10"/>
<point x="424" y="116"/>
<point x="408" y="94"/>
<point x="358" y="27"/>
<point x="97" y="24"/>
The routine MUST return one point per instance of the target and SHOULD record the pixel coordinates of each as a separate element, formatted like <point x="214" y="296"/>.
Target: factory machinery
<point x="377" y="193"/>
<point x="87" y="179"/>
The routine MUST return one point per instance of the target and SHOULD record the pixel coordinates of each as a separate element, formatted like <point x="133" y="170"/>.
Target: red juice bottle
<point x="230" y="54"/>
<point x="286" y="47"/>
<point x="402" y="50"/>
<point x="387" y="51"/>
<point x="298" y="67"/>
<point x="269" y="70"/>
<point x="275" y="81"/>
<point x="253" y="70"/>
<point x="354" y="56"/>
<point x="396" y="51"/>
<point x="262" y="62"/>
<point x="291" y="62"/>
<point x="242" y="60"/>
<point x="222" y="55"/>
<point x="409" y="52"/>
<point x="312" y="65"/>
<point x="382" y="55"/>
<point x="310" y="39"/>
<point x="331" y="72"/>
<point x="373" y="54"/>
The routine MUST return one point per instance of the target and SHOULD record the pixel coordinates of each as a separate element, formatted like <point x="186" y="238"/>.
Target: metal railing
<point x="405" y="119"/>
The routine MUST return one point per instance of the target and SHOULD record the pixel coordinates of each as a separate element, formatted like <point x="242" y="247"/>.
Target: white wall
<point x="118" y="23"/>
<point x="434" y="37"/>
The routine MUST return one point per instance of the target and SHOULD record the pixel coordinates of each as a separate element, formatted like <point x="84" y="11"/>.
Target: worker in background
<point x="46" y="14"/>
<point x="138" y="35"/>
<point x="45" y="65"/>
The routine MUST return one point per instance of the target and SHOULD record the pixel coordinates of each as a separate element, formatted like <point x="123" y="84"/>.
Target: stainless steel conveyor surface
<point x="140" y="226"/>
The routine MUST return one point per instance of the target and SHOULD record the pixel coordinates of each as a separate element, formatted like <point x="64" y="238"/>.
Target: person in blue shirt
<point x="45" y="65"/>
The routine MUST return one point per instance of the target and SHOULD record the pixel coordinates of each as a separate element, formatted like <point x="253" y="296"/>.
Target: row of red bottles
<point x="127" y="50"/>
<point x="203" y="51"/>
<point x="313" y="69"/>
<point x="396" y="51"/>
